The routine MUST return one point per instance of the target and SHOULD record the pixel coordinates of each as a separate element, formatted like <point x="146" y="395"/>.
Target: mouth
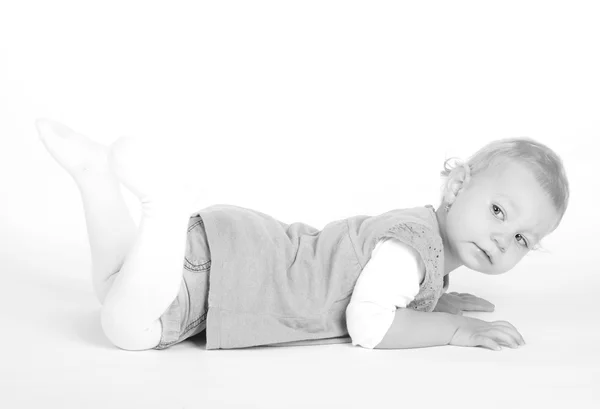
<point x="486" y="254"/>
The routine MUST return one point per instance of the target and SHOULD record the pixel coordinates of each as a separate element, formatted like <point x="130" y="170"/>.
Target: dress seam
<point x="353" y="246"/>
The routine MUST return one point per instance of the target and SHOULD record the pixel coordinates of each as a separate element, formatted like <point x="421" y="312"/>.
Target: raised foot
<point x="76" y="153"/>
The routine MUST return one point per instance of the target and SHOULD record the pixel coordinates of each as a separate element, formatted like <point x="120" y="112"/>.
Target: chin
<point x="490" y="270"/>
<point x="478" y="264"/>
<point x="479" y="268"/>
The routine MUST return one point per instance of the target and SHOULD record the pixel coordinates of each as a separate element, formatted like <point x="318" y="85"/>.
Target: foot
<point x="150" y="171"/>
<point x="76" y="153"/>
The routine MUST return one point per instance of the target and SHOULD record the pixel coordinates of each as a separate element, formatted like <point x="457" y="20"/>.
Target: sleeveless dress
<point x="273" y="283"/>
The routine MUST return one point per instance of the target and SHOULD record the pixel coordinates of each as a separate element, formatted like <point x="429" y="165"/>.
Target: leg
<point x="151" y="275"/>
<point x="110" y="228"/>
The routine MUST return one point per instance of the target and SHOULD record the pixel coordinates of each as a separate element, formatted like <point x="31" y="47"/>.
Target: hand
<point x="456" y="303"/>
<point x="473" y="332"/>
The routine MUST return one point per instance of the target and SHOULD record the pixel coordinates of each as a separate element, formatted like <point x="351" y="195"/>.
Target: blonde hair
<point x="543" y="162"/>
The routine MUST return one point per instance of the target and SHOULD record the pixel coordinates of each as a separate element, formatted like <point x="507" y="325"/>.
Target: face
<point x="503" y="212"/>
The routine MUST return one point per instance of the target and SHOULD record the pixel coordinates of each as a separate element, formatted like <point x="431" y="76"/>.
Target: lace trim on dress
<point x="430" y="248"/>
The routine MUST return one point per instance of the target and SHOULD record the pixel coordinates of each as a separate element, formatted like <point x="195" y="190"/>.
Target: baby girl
<point x="248" y="279"/>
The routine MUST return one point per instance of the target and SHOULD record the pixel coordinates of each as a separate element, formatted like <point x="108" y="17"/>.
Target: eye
<point x="526" y="245"/>
<point x="494" y="207"/>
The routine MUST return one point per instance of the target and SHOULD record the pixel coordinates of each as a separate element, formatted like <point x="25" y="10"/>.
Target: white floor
<point x="310" y="112"/>
<point x="55" y="354"/>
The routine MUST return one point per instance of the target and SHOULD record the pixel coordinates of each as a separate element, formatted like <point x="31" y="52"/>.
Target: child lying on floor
<point x="248" y="279"/>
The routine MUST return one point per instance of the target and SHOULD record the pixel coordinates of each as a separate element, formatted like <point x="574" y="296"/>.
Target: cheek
<point x="469" y="224"/>
<point x="478" y="220"/>
<point x="510" y="260"/>
<point x="518" y="256"/>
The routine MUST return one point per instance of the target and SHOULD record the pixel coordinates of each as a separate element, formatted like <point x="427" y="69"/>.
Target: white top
<point x="391" y="279"/>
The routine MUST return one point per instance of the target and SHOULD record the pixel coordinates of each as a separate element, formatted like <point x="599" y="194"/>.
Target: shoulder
<point x="395" y="252"/>
<point x="392" y="277"/>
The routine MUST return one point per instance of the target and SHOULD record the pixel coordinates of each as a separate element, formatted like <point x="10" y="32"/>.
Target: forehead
<point x="515" y="178"/>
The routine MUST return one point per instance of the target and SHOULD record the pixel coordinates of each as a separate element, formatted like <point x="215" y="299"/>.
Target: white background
<point x="308" y="111"/>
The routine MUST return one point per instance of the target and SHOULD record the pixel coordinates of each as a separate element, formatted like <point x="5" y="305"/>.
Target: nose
<point x="501" y="243"/>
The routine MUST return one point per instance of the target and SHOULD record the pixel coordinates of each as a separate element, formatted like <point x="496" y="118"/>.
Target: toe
<point x="46" y="126"/>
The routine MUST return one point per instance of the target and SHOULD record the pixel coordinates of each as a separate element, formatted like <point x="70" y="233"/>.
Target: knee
<point x="129" y="337"/>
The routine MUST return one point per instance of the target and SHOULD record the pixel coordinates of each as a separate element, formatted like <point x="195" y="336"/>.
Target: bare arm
<point x="417" y="329"/>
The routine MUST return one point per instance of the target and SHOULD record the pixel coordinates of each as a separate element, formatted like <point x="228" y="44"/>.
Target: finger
<point x="474" y="305"/>
<point x="479" y="300"/>
<point x="452" y="310"/>
<point x="487" y="343"/>
<point x="482" y="307"/>
<point x="507" y="325"/>
<point x="467" y="295"/>
<point x="479" y="304"/>
<point x="486" y="303"/>
<point x="505" y="336"/>
<point x="471" y="296"/>
<point x="510" y="330"/>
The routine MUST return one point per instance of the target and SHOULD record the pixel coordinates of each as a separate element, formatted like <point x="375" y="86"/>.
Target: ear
<point x="458" y="180"/>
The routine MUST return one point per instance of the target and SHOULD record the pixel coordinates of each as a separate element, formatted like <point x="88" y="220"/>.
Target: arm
<point x="389" y="280"/>
<point x="417" y="329"/>
<point x="456" y="303"/>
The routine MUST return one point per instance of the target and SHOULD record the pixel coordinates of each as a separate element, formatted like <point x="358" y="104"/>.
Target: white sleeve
<point x="391" y="279"/>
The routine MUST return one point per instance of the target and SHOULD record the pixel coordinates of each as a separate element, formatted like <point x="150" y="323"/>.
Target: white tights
<point x="137" y="272"/>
